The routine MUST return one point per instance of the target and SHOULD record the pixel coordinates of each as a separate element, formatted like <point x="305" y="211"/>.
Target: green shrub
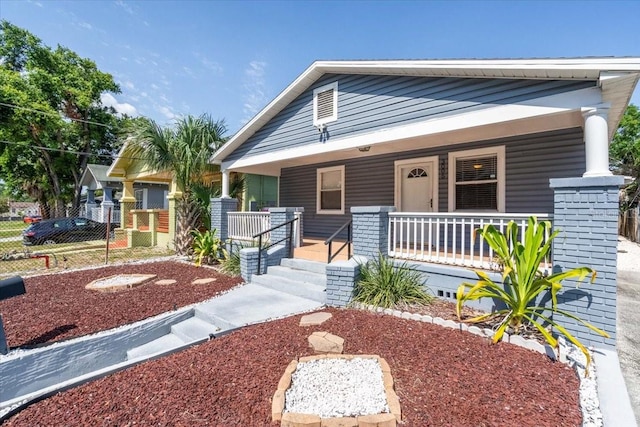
<point x="384" y="284"/>
<point x="523" y="283"/>
<point x="230" y="262"/>
<point x="206" y="246"/>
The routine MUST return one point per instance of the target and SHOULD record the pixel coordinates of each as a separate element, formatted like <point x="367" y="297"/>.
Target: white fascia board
<point x="113" y="170"/>
<point x="569" y="101"/>
<point x="299" y="85"/>
<point x="595" y="64"/>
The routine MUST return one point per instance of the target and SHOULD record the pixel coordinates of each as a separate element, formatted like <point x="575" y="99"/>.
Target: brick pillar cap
<point x="372" y="209"/>
<point x="591" y="181"/>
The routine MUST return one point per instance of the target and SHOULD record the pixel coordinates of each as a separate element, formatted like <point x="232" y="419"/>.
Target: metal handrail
<point x="329" y="242"/>
<point x="288" y="237"/>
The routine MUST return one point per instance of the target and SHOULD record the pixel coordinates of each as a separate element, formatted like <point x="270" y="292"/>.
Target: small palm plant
<point x="524" y="282"/>
<point x="206" y="246"/>
<point x="384" y="284"/>
<point x="230" y="262"/>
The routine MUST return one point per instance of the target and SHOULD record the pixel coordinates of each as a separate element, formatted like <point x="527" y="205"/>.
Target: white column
<point x="225" y="184"/>
<point x="596" y="141"/>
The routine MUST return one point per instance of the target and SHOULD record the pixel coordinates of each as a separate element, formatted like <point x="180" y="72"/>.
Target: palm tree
<point x="185" y="150"/>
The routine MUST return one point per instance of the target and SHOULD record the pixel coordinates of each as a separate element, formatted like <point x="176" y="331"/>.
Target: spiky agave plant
<point x="524" y="282"/>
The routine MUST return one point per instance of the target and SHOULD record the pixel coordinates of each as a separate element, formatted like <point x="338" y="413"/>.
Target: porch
<point x="147" y="227"/>
<point x="438" y="238"/>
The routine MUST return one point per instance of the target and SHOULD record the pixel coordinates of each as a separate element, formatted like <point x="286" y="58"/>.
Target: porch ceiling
<point x="337" y="151"/>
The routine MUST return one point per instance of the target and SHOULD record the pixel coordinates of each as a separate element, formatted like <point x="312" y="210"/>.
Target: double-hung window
<point x="330" y="190"/>
<point x="477" y="179"/>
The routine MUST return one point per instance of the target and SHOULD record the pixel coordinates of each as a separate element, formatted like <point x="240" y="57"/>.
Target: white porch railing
<point x="100" y="215"/>
<point x="447" y="238"/>
<point x="245" y="225"/>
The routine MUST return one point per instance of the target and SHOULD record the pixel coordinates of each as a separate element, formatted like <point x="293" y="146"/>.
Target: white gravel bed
<point x="589" y="401"/>
<point x="337" y="388"/>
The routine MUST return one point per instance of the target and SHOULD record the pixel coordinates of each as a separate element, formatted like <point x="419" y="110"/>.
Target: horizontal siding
<point x="531" y="160"/>
<point x="368" y="103"/>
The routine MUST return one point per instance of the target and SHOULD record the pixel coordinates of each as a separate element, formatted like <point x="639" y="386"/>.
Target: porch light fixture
<point x="364" y="149"/>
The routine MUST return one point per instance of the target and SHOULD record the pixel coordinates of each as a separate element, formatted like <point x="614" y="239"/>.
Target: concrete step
<point x="298" y="275"/>
<point x="252" y="303"/>
<point x="210" y="317"/>
<point x="158" y="345"/>
<point x="306" y="265"/>
<point x="194" y="329"/>
<point x="297" y="288"/>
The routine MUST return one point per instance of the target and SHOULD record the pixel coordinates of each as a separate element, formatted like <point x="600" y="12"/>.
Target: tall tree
<point x="184" y="150"/>
<point x="52" y="121"/>
<point x="625" y="152"/>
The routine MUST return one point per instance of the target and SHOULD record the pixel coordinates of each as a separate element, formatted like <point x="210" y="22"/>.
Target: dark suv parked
<point x="62" y="230"/>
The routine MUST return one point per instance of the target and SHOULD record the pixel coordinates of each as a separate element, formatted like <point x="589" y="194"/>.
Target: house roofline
<point x="589" y="68"/>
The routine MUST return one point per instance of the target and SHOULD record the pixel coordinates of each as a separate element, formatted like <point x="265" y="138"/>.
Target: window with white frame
<point x="330" y="190"/>
<point x="477" y="180"/>
<point x="325" y="104"/>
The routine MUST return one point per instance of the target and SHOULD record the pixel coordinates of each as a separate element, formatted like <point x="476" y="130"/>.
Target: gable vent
<point x="325" y="100"/>
<point x="325" y="104"/>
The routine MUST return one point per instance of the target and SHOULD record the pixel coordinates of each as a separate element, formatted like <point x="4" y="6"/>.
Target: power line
<point x="46" y="113"/>
<point x="62" y="150"/>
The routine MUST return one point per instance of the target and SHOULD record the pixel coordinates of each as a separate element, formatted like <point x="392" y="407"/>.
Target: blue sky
<point x="229" y="59"/>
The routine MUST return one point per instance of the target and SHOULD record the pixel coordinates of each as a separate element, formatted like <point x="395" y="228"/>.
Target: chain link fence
<point x="32" y="245"/>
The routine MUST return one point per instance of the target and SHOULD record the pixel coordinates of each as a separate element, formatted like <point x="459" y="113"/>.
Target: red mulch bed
<point x="443" y="377"/>
<point x="57" y="306"/>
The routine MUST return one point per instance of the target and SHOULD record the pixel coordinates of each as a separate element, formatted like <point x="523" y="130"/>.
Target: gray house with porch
<point x="417" y="154"/>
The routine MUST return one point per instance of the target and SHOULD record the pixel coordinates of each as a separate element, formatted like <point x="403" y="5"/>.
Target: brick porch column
<point x="280" y="216"/>
<point x="220" y="207"/>
<point x="370" y="230"/>
<point x="586" y="213"/>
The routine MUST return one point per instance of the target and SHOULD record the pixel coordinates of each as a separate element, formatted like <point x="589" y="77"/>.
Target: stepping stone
<point x="324" y="342"/>
<point x="315" y="318"/>
<point x="166" y="282"/>
<point x="119" y="282"/>
<point x="203" y="281"/>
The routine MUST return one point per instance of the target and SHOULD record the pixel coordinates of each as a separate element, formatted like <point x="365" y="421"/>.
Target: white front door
<point x="416" y="185"/>
<point x="416" y="191"/>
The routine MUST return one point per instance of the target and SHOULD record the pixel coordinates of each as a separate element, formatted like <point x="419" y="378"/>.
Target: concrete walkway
<point x="29" y="374"/>
<point x="628" y="329"/>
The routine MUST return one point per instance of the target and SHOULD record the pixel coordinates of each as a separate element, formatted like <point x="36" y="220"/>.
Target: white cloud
<point x="85" y="25"/>
<point x="129" y="85"/>
<point x="125" y="6"/>
<point x="121" y="108"/>
<point x="207" y="63"/>
<point x="255" y="97"/>
<point x="166" y="111"/>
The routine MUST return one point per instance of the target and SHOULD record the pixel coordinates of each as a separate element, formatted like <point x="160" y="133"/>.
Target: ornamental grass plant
<point x="384" y="284"/>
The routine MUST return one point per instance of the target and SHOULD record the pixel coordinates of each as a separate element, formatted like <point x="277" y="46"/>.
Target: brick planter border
<point x="291" y="419"/>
